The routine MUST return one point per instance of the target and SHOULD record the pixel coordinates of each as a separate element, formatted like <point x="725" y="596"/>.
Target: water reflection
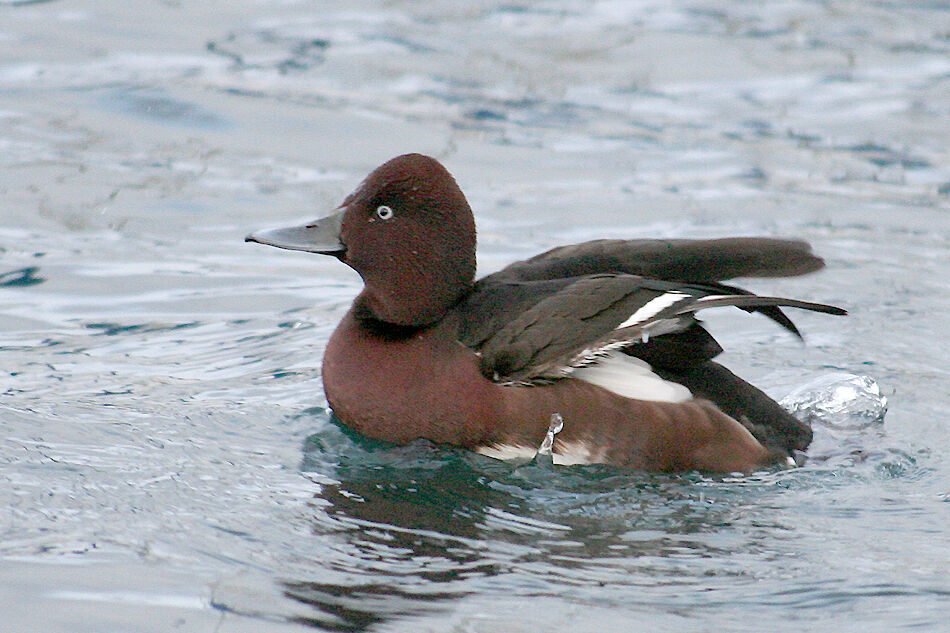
<point x="424" y="528"/>
<point x="413" y="528"/>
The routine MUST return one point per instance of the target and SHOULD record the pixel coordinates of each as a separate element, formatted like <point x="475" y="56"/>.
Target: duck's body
<point x="599" y="336"/>
<point x="426" y="385"/>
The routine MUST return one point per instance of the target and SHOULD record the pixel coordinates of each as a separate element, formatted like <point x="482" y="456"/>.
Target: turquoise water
<point x="167" y="461"/>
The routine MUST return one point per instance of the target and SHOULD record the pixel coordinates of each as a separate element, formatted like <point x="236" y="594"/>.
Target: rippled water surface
<point x="167" y="461"/>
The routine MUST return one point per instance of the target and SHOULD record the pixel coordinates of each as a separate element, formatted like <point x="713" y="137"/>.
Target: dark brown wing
<point x="574" y="323"/>
<point x="697" y="262"/>
<point x="671" y="260"/>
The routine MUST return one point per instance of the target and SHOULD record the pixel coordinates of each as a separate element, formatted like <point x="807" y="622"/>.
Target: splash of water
<point x="838" y="400"/>
<point x="555" y="425"/>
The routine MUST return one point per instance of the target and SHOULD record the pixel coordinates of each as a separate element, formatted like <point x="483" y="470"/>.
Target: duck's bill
<point x="322" y="236"/>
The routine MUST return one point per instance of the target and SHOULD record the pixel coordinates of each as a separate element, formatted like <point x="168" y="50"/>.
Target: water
<point x="167" y="461"/>
<point x="838" y="400"/>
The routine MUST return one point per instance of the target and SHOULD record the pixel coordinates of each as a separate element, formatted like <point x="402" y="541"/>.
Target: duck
<point x="591" y="353"/>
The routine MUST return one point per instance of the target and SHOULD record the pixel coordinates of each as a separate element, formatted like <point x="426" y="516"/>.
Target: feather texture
<point x="581" y="320"/>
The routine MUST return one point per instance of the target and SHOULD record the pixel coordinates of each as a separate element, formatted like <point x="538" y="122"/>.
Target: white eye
<point x="383" y="212"/>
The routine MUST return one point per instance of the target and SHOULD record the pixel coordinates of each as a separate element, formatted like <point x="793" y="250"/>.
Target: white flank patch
<point x="567" y="453"/>
<point x="631" y="378"/>
<point x="508" y="452"/>
<point x="653" y="307"/>
<point x="574" y="454"/>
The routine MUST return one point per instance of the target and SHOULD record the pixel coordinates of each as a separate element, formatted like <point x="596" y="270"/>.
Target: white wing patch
<point x="631" y="378"/>
<point x="653" y="307"/>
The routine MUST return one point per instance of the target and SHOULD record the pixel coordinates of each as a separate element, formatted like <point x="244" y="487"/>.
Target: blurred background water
<point x="167" y="460"/>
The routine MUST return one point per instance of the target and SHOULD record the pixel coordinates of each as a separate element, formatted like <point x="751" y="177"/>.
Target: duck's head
<point x="407" y="230"/>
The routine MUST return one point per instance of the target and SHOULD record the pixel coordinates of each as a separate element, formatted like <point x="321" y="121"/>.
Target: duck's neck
<point x="384" y="330"/>
<point x="411" y="308"/>
<point x="414" y="296"/>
